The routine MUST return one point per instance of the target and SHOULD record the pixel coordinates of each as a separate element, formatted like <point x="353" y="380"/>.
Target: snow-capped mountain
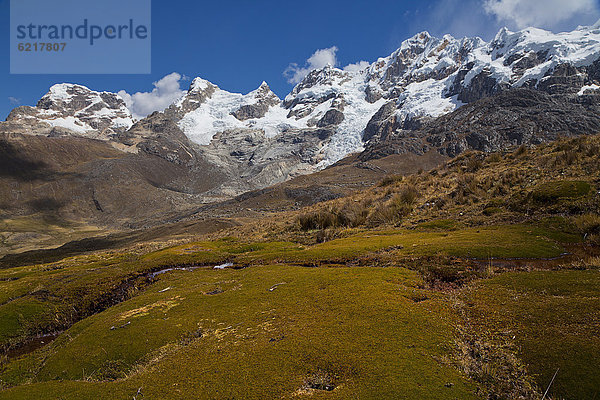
<point x="75" y="109"/>
<point x="208" y="110"/>
<point x="425" y="78"/>
<point x="258" y="139"/>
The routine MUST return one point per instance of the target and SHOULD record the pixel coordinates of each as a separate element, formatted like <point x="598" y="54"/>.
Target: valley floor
<point x="377" y="314"/>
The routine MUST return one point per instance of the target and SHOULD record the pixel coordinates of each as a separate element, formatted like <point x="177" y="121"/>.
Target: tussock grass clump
<point x="494" y="158"/>
<point x="521" y="151"/>
<point x="390" y="180"/>
<point x="474" y="164"/>
<point x="467" y="186"/>
<point x="566" y="158"/>
<point x="398" y="207"/>
<point x="317" y="220"/>
<point x="350" y="214"/>
<point x="589" y="226"/>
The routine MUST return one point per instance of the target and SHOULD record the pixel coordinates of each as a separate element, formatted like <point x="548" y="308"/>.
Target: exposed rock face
<point x="198" y="93"/>
<point x="514" y="117"/>
<point x="331" y="117"/>
<point x="382" y="124"/>
<point x="158" y="135"/>
<point x="252" y="160"/>
<point x="481" y="86"/>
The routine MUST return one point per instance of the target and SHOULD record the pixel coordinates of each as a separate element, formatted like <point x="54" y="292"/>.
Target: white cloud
<point x="320" y="58"/>
<point x="14" y="100"/>
<point x="165" y="92"/>
<point x="542" y="14"/>
<point x="359" y="66"/>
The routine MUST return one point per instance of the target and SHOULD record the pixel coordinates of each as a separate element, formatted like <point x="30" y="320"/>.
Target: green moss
<point x="509" y="241"/>
<point x="17" y="317"/>
<point x="357" y="326"/>
<point x="554" y="318"/>
<point x="49" y="297"/>
<point x="90" y="284"/>
<point x="550" y="192"/>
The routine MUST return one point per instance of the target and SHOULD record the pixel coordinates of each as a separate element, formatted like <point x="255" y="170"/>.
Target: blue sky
<point x="238" y="44"/>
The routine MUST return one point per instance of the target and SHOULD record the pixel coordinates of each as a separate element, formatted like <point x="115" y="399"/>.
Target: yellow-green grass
<point x="505" y="241"/>
<point x="554" y="317"/>
<point x="42" y="298"/>
<point x="439" y="224"/>
<point x="502" y="241"/>
<point x="556" y="190"/>
<point x="359" y="327"/>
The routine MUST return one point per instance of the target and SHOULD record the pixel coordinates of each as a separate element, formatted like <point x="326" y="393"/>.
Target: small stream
<point x="165" y="270"/>
<point x="36" y="343"/>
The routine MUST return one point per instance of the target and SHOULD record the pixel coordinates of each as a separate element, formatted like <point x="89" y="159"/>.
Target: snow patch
<point x="586" y="88"/>
<point x="70" y="123"/>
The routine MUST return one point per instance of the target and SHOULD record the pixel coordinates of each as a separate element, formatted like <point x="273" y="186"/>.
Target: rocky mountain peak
<point x="264" y="94"/>
<point x="324" y="77"/>
<point x="418" y="41"/>
<point x="258" y="101"/>
<point x="200" y="85"/>
<point x="69" y="109"/>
